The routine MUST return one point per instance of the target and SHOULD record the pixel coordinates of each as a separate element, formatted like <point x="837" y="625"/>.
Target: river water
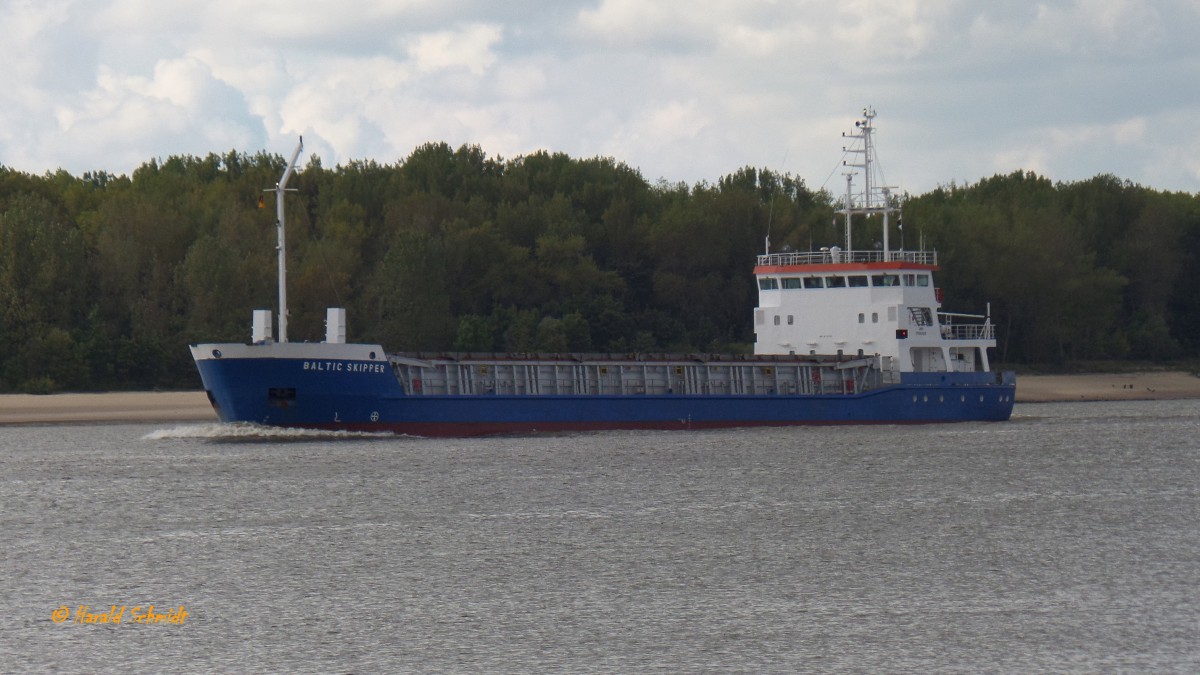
<point x="1066" y="540"/>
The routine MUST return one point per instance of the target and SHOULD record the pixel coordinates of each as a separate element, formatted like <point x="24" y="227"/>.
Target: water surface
<point x="1064" y="540"/>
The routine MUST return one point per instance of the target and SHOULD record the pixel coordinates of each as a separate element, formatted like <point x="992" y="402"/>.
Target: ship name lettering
<point x="342" y="366"/>
<point x="323" y="365"/>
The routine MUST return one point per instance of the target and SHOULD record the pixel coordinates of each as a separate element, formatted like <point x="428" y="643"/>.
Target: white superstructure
<point x="865" y="303"/>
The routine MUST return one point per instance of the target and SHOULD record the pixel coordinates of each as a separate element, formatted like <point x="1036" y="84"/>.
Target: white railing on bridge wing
<point x="974" y="331"/>
<point x="831" y="256"/>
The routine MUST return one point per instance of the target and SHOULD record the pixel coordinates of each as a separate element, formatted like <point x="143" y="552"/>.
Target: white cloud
<point x="900" y="29"/>
<point x="1042" y="150"/>
<point x="1083" y="28"/>
<point x="630" y="21"/>
<point x="1108" y="26"/>
<point x="674" y="121"/>
<point x="469" y="47"/>
<point x="182" y="107"/>
<point x="684" y="91"/>
<point x="277" y="23"/>
<point x="25" y="25"/>
<point x="519" y="81"/>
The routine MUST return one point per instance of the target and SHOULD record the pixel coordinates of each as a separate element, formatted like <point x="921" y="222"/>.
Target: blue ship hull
<point x="363" y="394"/>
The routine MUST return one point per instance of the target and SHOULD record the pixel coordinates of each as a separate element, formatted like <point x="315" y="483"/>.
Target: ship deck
<point x="626" y="374"/>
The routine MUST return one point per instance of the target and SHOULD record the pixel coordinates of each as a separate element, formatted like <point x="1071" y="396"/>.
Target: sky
<point x="683" y="91"/>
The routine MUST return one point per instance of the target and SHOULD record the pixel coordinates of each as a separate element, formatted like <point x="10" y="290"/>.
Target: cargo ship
<point x="842" y="336"/>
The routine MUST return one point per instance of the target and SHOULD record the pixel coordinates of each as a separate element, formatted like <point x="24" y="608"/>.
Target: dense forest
<point x="105" y="279"/>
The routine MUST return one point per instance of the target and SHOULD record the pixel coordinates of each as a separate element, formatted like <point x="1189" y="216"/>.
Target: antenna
<point x="771" y="210"/>
<point x="849" y="208"/>
<point x="874" y="198"/>
<point x="280" y="190"/>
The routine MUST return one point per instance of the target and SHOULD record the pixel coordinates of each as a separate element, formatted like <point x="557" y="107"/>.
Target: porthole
<point x="216" y="353"/>
<point x="926" y="399"/>
<point x="962" y="399"/>
<point x="371" y="356"/>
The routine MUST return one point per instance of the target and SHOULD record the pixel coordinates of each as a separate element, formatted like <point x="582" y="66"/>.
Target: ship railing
<point x="763" y="376"/>
<point x="828" y="256"/>
<point x="966" y="331"/>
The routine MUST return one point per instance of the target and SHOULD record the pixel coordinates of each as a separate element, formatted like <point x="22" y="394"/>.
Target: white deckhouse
<point x="865" y="303"/>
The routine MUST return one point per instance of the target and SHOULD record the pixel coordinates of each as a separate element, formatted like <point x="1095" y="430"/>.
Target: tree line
<point x="105" y="279"/>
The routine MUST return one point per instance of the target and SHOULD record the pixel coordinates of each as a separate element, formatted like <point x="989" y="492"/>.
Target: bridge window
<point x="768" y="284"/>
<point x="910" y="279"/>
<point x="791" y="282"/>
<point x="814" y="282"/>
<point x="885" y="280"/>
<point x="835" y="282"/>
<point x="922" y="279"/>
<point x="857" y="281"/>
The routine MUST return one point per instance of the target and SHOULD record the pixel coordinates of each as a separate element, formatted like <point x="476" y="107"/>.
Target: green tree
<point x="408" y="296"/>
<point x="43" y="295"/>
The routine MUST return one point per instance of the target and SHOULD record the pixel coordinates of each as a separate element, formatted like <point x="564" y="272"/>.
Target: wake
<point x="255" y="432"/>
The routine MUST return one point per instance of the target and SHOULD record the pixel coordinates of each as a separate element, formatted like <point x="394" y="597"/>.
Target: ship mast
<point x="875" y="199"/>
<point x="280" y="189"/>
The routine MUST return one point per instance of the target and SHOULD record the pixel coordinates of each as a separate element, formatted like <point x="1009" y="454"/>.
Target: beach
<point x="125" y="406"/>
<point x="1143" y="386"/>
<point x="186" y="406"/>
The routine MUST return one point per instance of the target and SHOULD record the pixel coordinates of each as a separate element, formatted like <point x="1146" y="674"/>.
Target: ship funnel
<point x="335" y="325"/>
<point x="261" y="327"/>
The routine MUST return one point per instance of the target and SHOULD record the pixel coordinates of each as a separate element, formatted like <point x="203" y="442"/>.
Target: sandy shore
<point x="136" y="406"/>
<point x="185" y="406"/>
<point x="1107" y="387"/>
